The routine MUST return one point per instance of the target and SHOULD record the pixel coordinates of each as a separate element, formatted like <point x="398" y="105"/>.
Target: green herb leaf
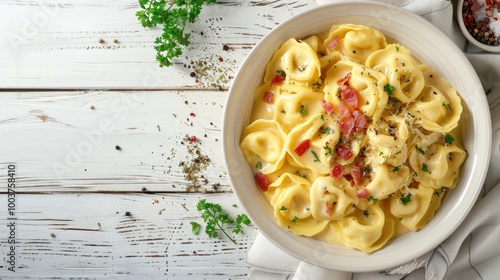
<point x="258" y="165"/>
<point x="302" y="110"/>
<point x="374" y="199"/>
<point x="195" y="227"/>
<point x="396" y="169"/>
<point x="426" y="168"/>
<point x="283" y="208"/>
<point x="174" y="17"/>
<point x="329" y="151"/>
<point x="294" y="220"/>
<point x="218" y="221"/>
<point x="405" y="198"/>
<point x="449" y="139"/>
<point x="281" y="73"/>
<point x="316" y="158"/>
<point x="389" y="89"/>
<point x="420" y="150"/>
<point x="241" y="220"/>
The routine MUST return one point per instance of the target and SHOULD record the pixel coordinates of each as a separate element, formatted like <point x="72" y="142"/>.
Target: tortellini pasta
<point x="352" y="139"/>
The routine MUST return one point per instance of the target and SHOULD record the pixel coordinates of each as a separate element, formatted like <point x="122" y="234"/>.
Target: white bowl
<point x="431" y="47"/>
<point x="468" y="36"/>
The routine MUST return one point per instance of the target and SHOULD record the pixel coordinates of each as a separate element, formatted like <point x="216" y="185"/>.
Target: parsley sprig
<point x="216" y="220"/>
<point x="174" y="16"/>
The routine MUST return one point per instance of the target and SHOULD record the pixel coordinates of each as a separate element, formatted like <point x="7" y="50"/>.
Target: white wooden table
<point x="93" y="133"/>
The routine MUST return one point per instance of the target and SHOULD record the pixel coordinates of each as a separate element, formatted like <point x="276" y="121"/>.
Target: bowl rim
<point x="233" y="168"/>
<point x="468" y="36"/>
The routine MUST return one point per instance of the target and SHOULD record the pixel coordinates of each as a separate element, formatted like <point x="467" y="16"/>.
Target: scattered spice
<point x="100" y="41"/>
<point x="213" y="71"/>
<point x="52" y="235"/>
<point x="115" y="41"/>
<point x="118" y="148"/>
<point x="194" y="165"/>
<point x="481" y="20"/>
<point x="128" y="214"/>
<point x="225" y="47"/>
<point x="144" y="189"/>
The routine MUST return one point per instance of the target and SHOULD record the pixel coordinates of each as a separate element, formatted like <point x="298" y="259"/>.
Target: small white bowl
<point x="468" y="36"/>
<point x="430" y="46"/>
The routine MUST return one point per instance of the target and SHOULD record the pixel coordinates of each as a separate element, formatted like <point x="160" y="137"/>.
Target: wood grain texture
<point x="91" y="236"/>
<point x="67" y="141"/>
<point x="98" y="134"/>
<point x="54" y="44"/>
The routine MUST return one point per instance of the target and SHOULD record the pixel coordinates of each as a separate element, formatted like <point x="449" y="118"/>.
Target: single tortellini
<point x="415" y="207"/>
<point x="405" y="80"/>
<point x="370" y="87"/>
<point x="292" y="205"/>
<point x="312" y="144"/>
<point x="367" y="230"/>
<point x="338" y="72"/>
<point x="437" y="165"/>
<point x="298" y="60"/>
<point x="438" y="107"/>
<point x="264" y="141"/>
<point x="332" y="199"/>
<point x="386" y="180"/>
<point x="356" y="42"/>
<point x="388" y="141"/>
<point x="295" y="108"/>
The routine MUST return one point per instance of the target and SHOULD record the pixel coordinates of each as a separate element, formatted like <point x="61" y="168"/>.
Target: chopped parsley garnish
<point x="258" y="165"/>
<point x="316" y="158"/>
<point x="329" y="151"/>
<point x="447" y="105"/>
<point x="374" y="199"/>
<point x="405" y="198"/>
<point x="281" y="73"/>
<point x="420" y="150"/>
<point x="396" y="169"/>
<point x="283" y="208"/>
<point x="366" y="213"/>
<point x="449" y="139"/>
<point x="294" y="220"/>
<point x="283" y="111"/>
<point x="302" y="110"/>
<point x="438" y="193"/>
<point x="389" y="89"/>
<point x="326" y="130"/>
<point x="425" y="168"/>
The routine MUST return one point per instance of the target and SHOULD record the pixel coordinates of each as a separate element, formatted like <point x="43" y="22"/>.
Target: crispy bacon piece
<point x="345" y="80"/>
<point x="362" y="193"/>
<point x="328" y="208"/>
<point x="277" y="79"/>
<point x="327" y="106"/>
<point x="337" y="171"/>
<point x="344" y="152"/>
<point x="357" y="174"/>
<point x="268" y="97"/>
<point x="349" y="96"/>
<point x="333" y="43"/>
<point x="262" y="181"/>
<point x="302" y="147"/>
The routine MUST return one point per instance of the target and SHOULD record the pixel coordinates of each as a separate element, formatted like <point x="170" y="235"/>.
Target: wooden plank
<point x="92" y="236"/>
<point x="67" y="141"/>
<point x="54" y="44"/>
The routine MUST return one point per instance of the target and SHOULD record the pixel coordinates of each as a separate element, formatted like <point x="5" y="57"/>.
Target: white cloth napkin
<point x="473" y="250"/>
